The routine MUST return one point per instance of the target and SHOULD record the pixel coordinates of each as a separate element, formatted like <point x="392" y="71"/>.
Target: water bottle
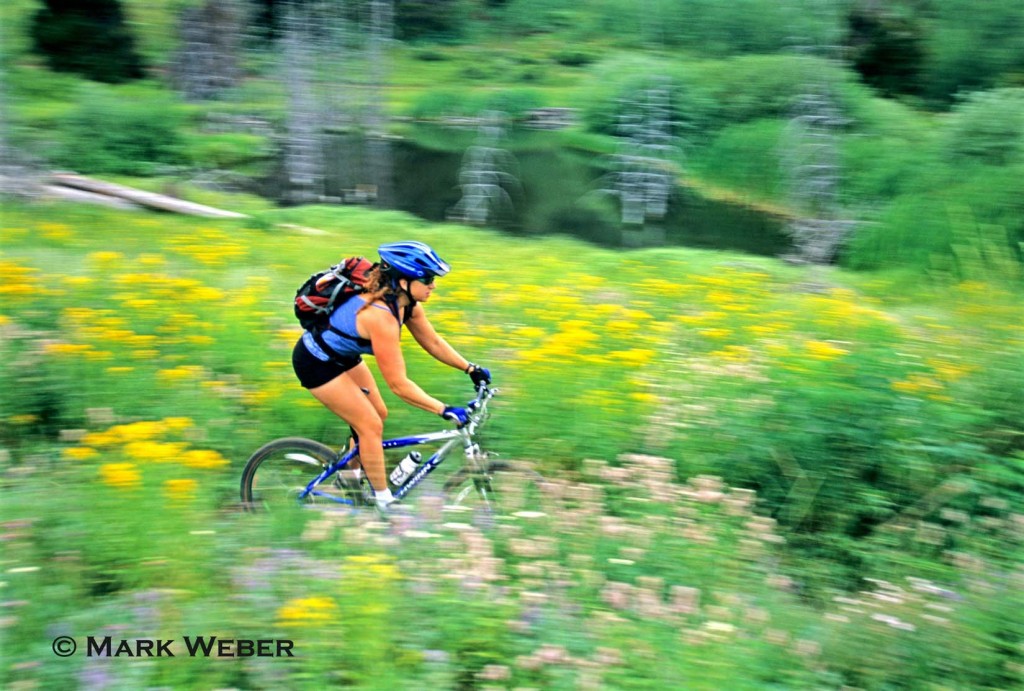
<point x="405" y="468"/>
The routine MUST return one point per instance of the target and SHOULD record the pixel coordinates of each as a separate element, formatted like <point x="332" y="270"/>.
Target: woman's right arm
<point x="387" y="350"/>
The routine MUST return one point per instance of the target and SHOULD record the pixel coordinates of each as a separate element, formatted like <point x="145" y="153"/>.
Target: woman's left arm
<point x="423" y="331"/>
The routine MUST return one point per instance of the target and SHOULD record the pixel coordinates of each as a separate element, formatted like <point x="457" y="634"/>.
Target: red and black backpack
<point x="325" y="290"/>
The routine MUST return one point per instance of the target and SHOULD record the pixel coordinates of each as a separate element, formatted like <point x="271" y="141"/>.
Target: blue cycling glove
<point x="479" y="375"/>
<point x="459" y="416"/>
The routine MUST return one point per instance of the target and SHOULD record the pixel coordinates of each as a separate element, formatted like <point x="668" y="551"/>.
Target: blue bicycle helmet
<point x="412" y="259"/>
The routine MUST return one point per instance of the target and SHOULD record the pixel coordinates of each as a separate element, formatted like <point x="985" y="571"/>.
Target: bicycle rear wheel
<point x="278" y="472"/>
<point x="502" y="489"/>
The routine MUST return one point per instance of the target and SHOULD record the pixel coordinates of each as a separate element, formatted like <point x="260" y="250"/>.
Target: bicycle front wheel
<point x="279" y="472"/>
<point x="500" y="489"/>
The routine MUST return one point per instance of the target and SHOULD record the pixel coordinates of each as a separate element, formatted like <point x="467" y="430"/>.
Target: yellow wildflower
<point x="306" y="610"/>
<point x="379" y="566"/>
<point x="181" y="490"/>
<point x="531" y="333"/>
<point x="23" y="419"/>
<point x="80" y="453"/>
<point x="120" y="475"/>
<point x="66" y="348"/>
<point x="119" y="370"/>
<point x="178" y="373"/>
<point x="55" y="231"/>
<point x="99" y="439"/>
<point x="203" y="459"/>
<point x="154" y="450"/>
<point x="822" y="350"/>
<point x="634" y="356"/>
<point x="106" y="257"/>
<point x="137" y="431"/>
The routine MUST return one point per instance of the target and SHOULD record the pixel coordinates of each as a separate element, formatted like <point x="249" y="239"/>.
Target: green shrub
<point x="988" y="126"/>
<point x="88" y="37"/>
<point x="127" y="131"/>
<point x="595" y="219"/>
<point x="433" y="104"/>
<point x="970" y="50"/>
<point x="539" y="16"/>
<point x="571" y="57"/>
<point x="226" y="149"/>
<point x="429" y="55"/>
<point x="961" y="229"/>
<point x="705" y="96"/>
<point x="513" y="102"/>
<point x="430" y="19"/>
<point x="709" y="27"/>
<point x="883" y="167"/>
<point x="744" y="157"/>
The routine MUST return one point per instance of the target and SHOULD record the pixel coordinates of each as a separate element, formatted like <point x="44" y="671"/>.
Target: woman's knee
<point x="369" y="429"/>
<point x="382" y="411"/>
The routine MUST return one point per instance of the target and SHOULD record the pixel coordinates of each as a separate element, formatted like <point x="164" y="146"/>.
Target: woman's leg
<point x="343" y="397"/>
<point x="364" y="379"/>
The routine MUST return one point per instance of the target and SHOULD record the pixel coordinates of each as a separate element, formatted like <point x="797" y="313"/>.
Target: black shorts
<point x="313" y="372"/>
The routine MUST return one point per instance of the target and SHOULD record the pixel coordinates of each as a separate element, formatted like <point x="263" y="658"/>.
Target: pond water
<point x="556" y="191"/>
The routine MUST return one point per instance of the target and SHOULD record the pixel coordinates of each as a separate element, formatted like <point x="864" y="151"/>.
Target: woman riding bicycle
<point x="329" y="363"/>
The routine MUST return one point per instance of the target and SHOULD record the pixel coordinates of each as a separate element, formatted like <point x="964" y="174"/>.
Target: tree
<point x="207" y="61"/>
<point x="429" y="18"/>
<point x="88" y="37"/>
<point x="886" y="48"/>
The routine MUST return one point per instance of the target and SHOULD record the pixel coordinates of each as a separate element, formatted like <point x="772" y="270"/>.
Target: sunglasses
<point x="426" y="280"/>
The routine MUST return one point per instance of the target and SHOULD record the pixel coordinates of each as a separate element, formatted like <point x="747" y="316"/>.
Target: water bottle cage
<point x="405" y="469"/>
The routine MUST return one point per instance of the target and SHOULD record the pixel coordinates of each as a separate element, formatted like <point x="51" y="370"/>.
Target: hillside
<point x="145" y="356"/>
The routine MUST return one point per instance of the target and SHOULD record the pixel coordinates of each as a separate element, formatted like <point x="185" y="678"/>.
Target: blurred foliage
<point x="129" y="131"/>
<point x="226" y="150"/>
<point x="833" y="461"/>
<point x="865" y="431"/>
<point x="885" y="45"/>
<point x="87" y="37"/>
<point x="705" y="95"/>
<point x="743" y="157"/>
<point x="971" y="50"/>
<point x="436" y="19"/>
<point x="989" y="126"/>
<point x="514" y="103"/>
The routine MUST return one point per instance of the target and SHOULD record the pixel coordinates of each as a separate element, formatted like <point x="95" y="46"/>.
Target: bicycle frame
<point x="451" y="438"/>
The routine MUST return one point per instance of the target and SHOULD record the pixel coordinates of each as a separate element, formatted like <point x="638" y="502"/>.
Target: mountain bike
<point x="295" y="471"/>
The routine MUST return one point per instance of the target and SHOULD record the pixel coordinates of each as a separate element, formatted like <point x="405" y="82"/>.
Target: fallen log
<point x="72" y="195"/>
<point x="147" y="199"/>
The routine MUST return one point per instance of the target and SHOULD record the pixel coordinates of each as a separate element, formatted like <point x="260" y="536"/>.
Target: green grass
<point x="135" y="392"/>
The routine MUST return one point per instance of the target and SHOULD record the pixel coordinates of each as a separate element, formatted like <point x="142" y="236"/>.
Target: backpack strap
<point x="392" y="303"/>
<point x="318" y="333"/>
<point x="318" y="337"/>
<point x="358" y="339"/>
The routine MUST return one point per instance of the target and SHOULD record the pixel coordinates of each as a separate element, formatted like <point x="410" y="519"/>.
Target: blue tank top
<point x="342" y="337"/>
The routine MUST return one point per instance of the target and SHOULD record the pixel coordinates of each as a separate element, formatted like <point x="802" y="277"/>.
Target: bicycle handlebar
<point x="478" y="407"/>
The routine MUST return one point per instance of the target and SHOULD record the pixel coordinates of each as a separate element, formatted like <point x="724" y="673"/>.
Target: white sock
<point x="357" y="473"/>
<point x="383" y="497"/>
